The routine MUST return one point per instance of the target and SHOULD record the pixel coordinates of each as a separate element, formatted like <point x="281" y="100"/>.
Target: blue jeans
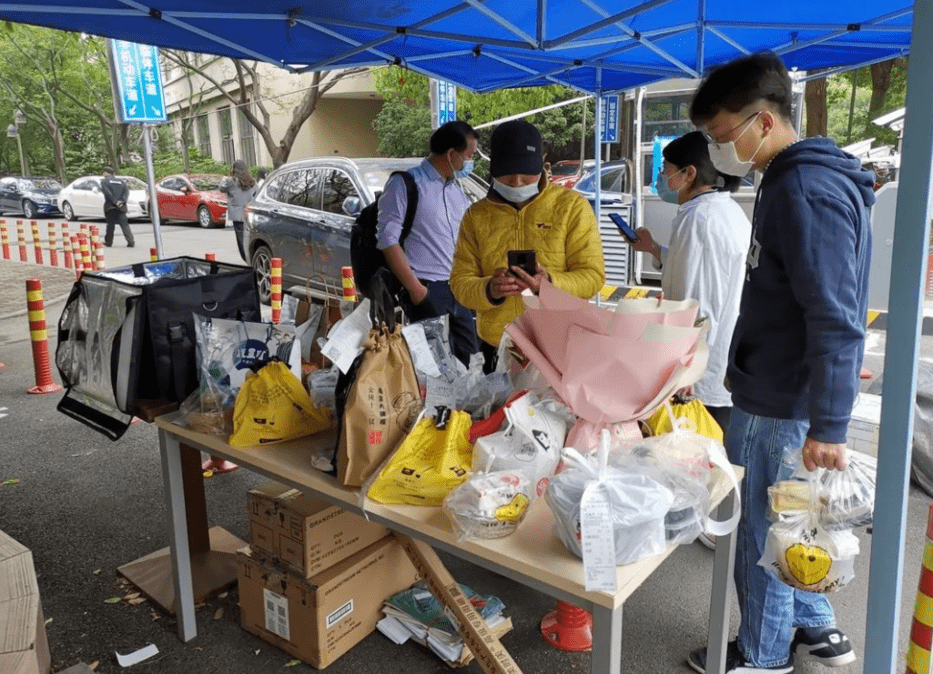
<point x="771" y="610"/>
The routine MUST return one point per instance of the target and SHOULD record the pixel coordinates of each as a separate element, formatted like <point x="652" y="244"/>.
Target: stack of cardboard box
<point x="314" y="578"/>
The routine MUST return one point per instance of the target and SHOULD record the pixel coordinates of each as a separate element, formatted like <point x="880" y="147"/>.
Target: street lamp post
<point x="12" y="131"/>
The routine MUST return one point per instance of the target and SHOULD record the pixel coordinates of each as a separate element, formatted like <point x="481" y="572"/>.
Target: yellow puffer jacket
<point x="559" y="225"/>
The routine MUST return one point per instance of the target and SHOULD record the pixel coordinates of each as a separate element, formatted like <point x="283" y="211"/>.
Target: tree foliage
<point x="404" y="124"/>
<point x="874" y="96"/>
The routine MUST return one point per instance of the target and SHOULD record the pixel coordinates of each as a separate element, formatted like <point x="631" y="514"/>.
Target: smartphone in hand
<point x="525" y="259"/>
<point x="624" y="227"/>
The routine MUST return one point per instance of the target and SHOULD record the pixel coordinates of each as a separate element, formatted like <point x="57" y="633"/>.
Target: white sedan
<point x="83" y="198"/>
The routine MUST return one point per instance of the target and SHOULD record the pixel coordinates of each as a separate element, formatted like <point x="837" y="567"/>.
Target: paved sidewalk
<point x="56" y="284"/>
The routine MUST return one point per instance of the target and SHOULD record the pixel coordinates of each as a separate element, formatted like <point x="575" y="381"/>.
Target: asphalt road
<point x="85" y="506"/>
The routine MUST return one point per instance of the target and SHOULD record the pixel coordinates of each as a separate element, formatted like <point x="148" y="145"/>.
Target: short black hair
<point x="691" y="150"/>
<point x="742" y="82"/>
<point x="452" y="135"/>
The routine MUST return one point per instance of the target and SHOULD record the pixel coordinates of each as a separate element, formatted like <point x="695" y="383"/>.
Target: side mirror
<point x="352" y="206"/>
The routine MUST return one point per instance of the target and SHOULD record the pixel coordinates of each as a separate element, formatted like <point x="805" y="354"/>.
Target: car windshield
<point x="204" y="183"/>
<point x="564" y="169"/>
<point x="133" y="183"/>
<point x="376" y="178"/>
<point x="41" y="184"/>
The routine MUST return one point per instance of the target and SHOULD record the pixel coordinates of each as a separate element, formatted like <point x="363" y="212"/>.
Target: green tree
<point x="404" y="123"/>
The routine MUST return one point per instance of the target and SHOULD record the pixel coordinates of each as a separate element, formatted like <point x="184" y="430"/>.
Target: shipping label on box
<point x="319" y="619"/>
<point x="303" y="533"/>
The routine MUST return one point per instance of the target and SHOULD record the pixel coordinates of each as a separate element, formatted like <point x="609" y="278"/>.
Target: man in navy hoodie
<point x="797" y="346"/>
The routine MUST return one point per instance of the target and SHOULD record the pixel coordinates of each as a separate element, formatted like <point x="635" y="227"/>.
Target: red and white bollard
<point x="66" y="245"/>
<point x="21" y="240"/>
<point x="40" y="339"/>
<point x="99" y="255"/>
<point x="275" y="274"/>
<point x="921" y="632"/>
<point x="569" y="628"/>
<point x="154" y="254"/>
<point x="94" y="239"/>
<point x="85" y="252"/>
<point x="349" y="284"/>
<point x="36" y="241"/>
<point x="53" y="246"/>
<point x="78" y="258"/>
<point x="5" y="240"/>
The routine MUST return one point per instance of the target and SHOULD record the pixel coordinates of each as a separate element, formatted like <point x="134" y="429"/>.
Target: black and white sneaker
<point x="831" y="648"/>
<point x="735" y="662"/>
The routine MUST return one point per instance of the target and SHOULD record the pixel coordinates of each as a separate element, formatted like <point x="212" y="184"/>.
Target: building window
<point x="247" y="139"/>
<point x="204" y="135"/>
<point x="226" y="136"/>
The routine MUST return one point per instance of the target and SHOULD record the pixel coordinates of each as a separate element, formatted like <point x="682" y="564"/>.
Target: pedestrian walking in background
<point x="240" y="188"/>
<point x="115" y="195"/>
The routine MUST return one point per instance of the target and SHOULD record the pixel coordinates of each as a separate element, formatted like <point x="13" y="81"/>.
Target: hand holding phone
<point x="624" y="227"/>
<point x="526" y="260"/>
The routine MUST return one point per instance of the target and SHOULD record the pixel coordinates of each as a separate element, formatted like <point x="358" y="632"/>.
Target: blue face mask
<point x="466" y="170"/>
<point x="663" y="186"/>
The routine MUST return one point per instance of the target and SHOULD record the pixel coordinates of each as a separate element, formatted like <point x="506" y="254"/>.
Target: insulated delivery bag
<point x="126" y="337"/>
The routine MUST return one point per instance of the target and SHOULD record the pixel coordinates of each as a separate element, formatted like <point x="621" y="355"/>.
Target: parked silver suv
<point x="304" y="213"/>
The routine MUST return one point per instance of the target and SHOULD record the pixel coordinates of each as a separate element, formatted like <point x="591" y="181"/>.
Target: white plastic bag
<point x="489" y="505"/>
<point x="530" y="443"/>
<point x="637" y="503"/>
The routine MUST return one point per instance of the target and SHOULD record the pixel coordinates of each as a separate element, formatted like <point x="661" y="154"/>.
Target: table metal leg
<point x="720" y="601"/>
<point x="607" y="640"/>
<point x="178" y="536"/>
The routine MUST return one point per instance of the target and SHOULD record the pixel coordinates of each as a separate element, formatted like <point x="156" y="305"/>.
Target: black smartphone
<point x="525" y="259"/>
<point x="623" y="226"/>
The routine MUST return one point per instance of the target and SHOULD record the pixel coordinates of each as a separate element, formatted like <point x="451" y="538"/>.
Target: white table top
<point x="533" y="551"/>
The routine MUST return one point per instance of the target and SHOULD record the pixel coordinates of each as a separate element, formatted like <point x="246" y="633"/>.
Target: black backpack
<point x="365" y="257"/>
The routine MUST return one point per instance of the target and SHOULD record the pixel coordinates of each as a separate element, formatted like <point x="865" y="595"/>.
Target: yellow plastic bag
<point x="693" y="409"/>
<point x="429" y="463"/>
<point x="273" y="406"/>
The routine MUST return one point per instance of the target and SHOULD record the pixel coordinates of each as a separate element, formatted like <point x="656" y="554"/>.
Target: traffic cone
<point x="568" y="627"/>
<point x="921" y="633"/>
<point x="40" y="339"/>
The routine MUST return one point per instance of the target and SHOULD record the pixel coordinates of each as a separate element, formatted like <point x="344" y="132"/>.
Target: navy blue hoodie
<point x="797" y="346"/>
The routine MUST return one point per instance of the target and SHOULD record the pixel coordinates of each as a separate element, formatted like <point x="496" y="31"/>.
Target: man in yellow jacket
<point x="522" y="211"/>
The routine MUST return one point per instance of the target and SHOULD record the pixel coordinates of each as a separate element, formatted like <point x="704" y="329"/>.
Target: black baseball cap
<point x="515" y="147"/>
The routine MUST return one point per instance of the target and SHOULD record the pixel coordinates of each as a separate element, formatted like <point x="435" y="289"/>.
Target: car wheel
<point x="68" y="211"/>
<point x="204" y="217"/>
<point x="29" y="209"/>
<point x="262" y="258"/>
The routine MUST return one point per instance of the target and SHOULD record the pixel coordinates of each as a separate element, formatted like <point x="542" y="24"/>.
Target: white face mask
<point x="725" y="156"/>
<point x="515" y="194"/>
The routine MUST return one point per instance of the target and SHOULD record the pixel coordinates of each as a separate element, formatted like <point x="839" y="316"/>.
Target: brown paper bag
<point x="381" y="407"/>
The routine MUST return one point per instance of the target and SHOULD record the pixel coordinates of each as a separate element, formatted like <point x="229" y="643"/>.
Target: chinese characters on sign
<point x="138" y="79"/>
<point x="443" y="102"/>
<point x="610" y="126"/>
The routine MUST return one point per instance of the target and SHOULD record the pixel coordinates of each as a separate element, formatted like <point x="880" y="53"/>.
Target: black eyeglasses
<point x="725" y="134"/>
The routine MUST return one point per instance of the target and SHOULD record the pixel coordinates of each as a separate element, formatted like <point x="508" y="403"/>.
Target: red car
<point x="193" y="198"/>
<point x="568" y="172"/>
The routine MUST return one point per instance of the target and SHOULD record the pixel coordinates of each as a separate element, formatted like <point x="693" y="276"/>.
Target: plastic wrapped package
<point x="803" y="554"/>
<point x="322" y="386"/>
<point x="638" y="506"/>
<point x="489" y="505"/>
<point x="209" y="410"/>
<point x="429" y="344"/>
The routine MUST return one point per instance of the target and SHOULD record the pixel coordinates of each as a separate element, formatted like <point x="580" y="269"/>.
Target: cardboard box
<point x="304" y="534"/>
<point x="24" y="647"/>
<point x="319" y="619"/>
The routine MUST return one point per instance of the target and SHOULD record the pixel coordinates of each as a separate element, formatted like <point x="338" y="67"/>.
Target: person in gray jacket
<point x="240" y="189"/>
<point x="115" y="195"/>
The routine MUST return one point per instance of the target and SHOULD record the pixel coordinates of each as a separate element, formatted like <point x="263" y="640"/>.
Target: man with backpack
<point x="421" y="261"/>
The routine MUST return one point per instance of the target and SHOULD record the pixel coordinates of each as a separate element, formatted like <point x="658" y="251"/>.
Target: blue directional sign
<point x="138" y="80"/>
<point x="610" y="130"/>
<point x="657" y="159"/>
<point x="446" y="102"/>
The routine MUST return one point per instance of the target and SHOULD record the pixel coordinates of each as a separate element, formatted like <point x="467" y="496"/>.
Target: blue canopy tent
<point x="599" y="46"/>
